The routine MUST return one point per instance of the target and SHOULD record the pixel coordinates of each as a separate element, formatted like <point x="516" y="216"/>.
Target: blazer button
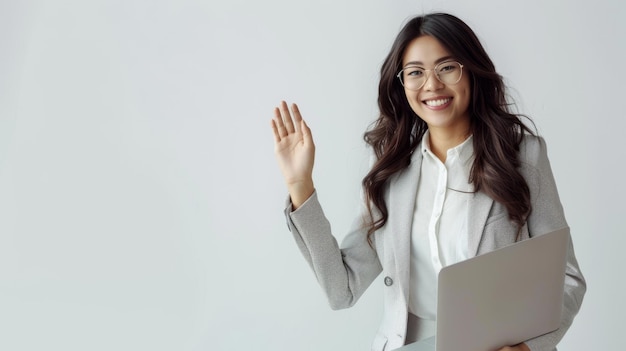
<point x="388" y="281"/>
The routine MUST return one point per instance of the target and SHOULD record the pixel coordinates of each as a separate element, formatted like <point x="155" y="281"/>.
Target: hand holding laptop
<point x="518" y="347"/>
<point x="501" y="297"/>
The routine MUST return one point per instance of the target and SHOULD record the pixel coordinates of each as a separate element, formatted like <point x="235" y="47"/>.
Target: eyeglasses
<point x="414" y="77"/>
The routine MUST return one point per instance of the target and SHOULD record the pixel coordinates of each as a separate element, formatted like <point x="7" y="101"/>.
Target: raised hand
<point x="295" y="152"/>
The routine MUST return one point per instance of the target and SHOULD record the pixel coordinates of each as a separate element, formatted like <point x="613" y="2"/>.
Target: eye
<point x="448" y="67"/>
<point x="413" y="72"/>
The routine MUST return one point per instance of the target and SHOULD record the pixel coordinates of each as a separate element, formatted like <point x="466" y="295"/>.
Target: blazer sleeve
<point x="343" y="273"/>
<point x="548" y="215"/>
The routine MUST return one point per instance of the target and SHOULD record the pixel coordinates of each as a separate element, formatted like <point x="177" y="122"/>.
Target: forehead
<point x="424" y="50"/>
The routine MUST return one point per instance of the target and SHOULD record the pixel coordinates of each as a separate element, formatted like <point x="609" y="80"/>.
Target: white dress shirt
<point x="439" y="232"/>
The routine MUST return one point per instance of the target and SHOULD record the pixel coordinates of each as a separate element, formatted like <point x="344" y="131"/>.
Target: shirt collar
<point x="462" y="152"/>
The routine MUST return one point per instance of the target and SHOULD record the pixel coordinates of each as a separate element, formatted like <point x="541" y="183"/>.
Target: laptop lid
<point x="503" y="297"/>
<point x="500" y="298"/>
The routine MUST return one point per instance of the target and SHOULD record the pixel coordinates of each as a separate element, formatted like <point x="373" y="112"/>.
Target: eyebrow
<point x="420" y="63"/>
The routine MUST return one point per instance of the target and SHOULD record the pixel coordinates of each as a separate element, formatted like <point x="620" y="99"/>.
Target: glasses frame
<point x="399" y="75"/>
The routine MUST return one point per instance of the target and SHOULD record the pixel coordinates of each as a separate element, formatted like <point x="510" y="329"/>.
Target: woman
<point x="455" y="175"/>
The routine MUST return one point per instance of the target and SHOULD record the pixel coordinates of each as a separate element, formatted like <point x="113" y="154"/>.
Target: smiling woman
<point x="449" y="158"/>
<point x="440" y="99"/>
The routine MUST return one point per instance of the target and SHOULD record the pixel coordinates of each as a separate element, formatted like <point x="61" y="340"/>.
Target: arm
<point x="547" y="215"/>
<point x="345" y="273"/>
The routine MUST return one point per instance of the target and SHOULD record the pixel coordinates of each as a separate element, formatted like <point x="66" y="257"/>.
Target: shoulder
<point x="532" y="150"/>
<point x="534" y="162"/>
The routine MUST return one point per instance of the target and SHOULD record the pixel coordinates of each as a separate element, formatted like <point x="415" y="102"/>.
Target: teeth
<point x="438" y="102"/>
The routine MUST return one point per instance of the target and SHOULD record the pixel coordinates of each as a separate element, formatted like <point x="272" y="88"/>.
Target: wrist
<point x="300" y="191"/>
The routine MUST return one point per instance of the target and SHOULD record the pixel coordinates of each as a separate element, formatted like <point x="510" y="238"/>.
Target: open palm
<point x="294" y="149"/>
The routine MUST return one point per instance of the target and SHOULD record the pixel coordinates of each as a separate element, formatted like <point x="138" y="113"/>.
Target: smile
<point x="437" y="102"/>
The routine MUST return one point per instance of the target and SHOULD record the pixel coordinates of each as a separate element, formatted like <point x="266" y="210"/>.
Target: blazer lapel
<point x="479" y="207"/>
<point x="401" y="202"/>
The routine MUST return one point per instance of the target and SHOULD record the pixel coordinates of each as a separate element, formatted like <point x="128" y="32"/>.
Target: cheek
<point x="412" y="99"/>
<point x="466" y="95"/>
<point x="415" y="106"/>
<point x="467" y="89"/>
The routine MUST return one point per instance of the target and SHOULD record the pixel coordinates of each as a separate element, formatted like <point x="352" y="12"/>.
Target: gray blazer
<point x="345" y="272"/>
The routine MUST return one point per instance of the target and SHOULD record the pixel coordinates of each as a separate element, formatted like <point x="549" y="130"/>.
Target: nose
<point x="432" y="83"/>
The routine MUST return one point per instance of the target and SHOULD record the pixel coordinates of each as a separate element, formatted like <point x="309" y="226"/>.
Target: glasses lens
<point x="449" y="72"/>
<point x="413" y="78"/>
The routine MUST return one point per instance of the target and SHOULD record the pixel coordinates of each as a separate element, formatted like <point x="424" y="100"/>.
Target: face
<point x="442" y="106"/>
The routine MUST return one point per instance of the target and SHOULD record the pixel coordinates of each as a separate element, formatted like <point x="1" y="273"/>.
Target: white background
<point x="140" y="202"/>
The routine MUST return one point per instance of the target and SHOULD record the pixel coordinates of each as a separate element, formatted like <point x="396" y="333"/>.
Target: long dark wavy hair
<point x="497" y="131"/>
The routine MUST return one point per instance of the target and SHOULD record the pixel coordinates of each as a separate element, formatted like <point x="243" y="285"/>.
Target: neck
<point x="441" y="140"/>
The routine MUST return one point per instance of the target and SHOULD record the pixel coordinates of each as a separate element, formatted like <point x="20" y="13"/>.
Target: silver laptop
<point x="500" y="298"/>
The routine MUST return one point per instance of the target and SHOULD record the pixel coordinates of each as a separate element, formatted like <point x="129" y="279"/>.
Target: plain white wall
<point x="140" y="203"/>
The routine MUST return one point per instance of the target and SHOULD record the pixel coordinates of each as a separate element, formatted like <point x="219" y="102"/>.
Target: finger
<point x="275" y="132"/>
<point x="297" y="117"/>
<point x="306" y="133"/>
<point x="284" y="110"/>
<point x="278" y="122"/>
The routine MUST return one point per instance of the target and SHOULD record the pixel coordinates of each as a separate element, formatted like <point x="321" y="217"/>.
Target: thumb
<point x="306" y="133"/>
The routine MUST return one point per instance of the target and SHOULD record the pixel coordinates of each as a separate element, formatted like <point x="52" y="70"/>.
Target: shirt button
<point x="388" y="281"/>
